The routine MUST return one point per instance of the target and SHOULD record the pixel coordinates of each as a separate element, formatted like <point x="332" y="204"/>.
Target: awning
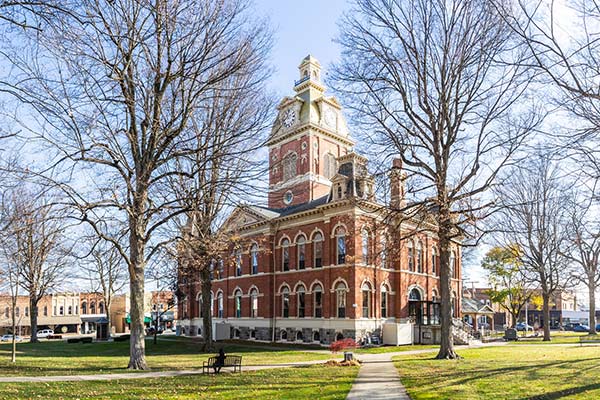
<point x="147" y="320"/>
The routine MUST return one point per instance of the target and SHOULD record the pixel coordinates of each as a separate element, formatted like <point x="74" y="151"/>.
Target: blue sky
<point x="301" y="28"/>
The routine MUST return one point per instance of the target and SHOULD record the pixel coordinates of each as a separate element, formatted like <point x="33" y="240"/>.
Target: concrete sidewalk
<point x="377" y="379"/>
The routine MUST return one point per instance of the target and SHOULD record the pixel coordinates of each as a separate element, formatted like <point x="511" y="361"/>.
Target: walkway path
<point x="378" y="378"/>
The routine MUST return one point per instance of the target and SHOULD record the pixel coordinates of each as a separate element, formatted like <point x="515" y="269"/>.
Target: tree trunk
<point x="546" y="313"/>
<point x="137" y="346"/>
<point x="447" y="339"/>
<point x="514" y="315"/>
<point x="108" y="306"/>
<point x="13" y="353"/>
<point x="207" y="334"/>
<point x="33" y="318"/>
<point x="592" y="295"/>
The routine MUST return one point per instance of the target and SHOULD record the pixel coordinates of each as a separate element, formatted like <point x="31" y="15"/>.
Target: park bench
<point x="590" y="339"/>
<point x="234" y="362"/>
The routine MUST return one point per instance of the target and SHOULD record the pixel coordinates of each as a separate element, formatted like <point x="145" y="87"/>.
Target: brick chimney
<point x="397" y="178"/>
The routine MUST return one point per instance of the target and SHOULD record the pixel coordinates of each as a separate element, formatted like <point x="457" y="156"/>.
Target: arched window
<point x="329" y="166"/>
<point x="238" y="262"/>
<point x="318" y="250"/>
<point x="220" y="305"/>
<point x="300" y="295"/>
<point x="283" y="334"/>
<point x="316" y="336"/>
<point x="83" y="308"/>
<point x="27" y="311"/>
<point x="301" y="243"/>
<point x="299" y="336"/>
<point x="93" y="308"/>
<point x="340" y="299"/>
<point x="254" y="258"/>
<point x="340" y="238"/>
<point x="454" y="305"/>
<point x="200" y="308"/>
<point x="46" y="310"/>
<point x="318" y="301"/>
<point x="452" y="264"/>
<point x="289" y="166"/>
<point x="434" y="261"/>
<point x="101" y="308"/>
<point x="285" y="302"/>
<point x="415" y="306"/>
<point x="411" y="256"/>
<point x="285" y="255"/>
<point x="366" y="300"/>
<point x="365" y="246"/>
<point x="414" y="295"/>
<point x="419" y="257"/>
<point x="17" y="311"/>
<point x="238" y="303"/>
<point x="254" y="303"/>
<point x="339" y="192"/>
<point x="384" y="301"/>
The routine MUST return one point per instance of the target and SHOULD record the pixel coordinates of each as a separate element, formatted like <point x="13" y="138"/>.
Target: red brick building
<point x="321" y="261"/>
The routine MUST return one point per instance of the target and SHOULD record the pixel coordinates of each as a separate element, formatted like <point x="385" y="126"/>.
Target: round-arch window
<point x="316" y="337"/>
<point x="288" y="197"/>
<point x="283" y="335"/>
<point x="414" y="295"/>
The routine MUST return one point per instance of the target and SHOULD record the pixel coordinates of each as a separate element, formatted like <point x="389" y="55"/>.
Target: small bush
<point x="87" y="340"/>
<point x="74" y="340"/>
<point x="341" y="345"/>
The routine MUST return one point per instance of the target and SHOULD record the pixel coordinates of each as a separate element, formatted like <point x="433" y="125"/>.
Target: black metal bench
<point x="234" y="362"/>
<point x="590" y="339"/>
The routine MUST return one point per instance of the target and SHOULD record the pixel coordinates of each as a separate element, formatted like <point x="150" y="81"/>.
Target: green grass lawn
<point x="393" y="349"/>
<point x="61" y="358"/>
<point x="315" y="382"/>
<point x="505" y="372"/>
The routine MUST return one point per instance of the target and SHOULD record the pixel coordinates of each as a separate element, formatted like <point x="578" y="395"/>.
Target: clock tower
<point x="307" y="137"/>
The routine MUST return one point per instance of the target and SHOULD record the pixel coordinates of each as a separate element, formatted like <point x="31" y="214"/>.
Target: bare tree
<point x="11" y="263"/>
<point x="106" y="272"/>
<point x="228" y="130"/>
<point x="534" y="220"/>
<point x="38" y="246"/>
<point x="430" y="81"/>
<point x="583" y="248"/>
<point x="561" y="39"/>
<point x="138" y="71"/>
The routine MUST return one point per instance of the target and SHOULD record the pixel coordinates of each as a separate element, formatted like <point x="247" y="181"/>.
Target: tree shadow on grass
<point x="464" y="377"/>
<point x="562" y="393"/>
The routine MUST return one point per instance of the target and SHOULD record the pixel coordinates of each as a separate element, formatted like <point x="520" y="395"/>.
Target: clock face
<point x="330" y="118"/>
<point x="289" y="117"/>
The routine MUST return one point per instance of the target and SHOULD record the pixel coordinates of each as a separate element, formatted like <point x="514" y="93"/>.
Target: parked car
<point x="9" y="338"/>
<point x="598" y="328"/>
<point x="44" y="333"/>
<point x="522" y="326"/>
<point x="581" y="328"/>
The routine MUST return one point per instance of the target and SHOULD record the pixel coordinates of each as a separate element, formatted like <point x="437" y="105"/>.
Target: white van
<point x="44" y="333"/>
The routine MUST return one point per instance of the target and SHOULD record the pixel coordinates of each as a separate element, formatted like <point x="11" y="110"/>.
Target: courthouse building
<point x="322" y="260"/>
